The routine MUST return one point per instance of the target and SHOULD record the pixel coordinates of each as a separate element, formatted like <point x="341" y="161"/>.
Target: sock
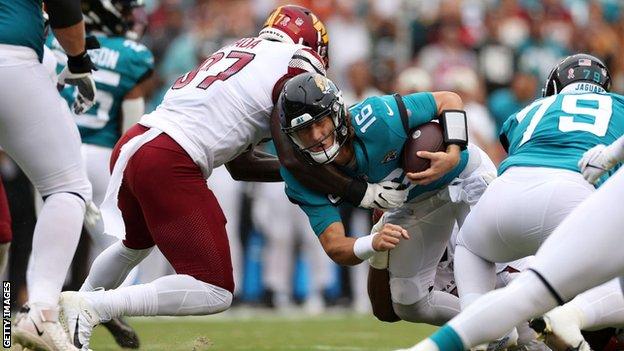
<point x="172" y="295"/>
<point x="54" y="243"/>
<point x="112" y="266"/>
<point x="447" y="339"/>
<point x="436" y="308"/>
<point x="499" y="311"/>
<point x="474" y="275"/>
<point x="600" y="307"/>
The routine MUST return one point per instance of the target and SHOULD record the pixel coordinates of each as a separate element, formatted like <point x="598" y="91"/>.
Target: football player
<point x="365" y="141"/>
<point x="124" y="68"/>
<point x="38" y="132"/>
<point x="545" y="139"/>
<point x="157" y="195"/>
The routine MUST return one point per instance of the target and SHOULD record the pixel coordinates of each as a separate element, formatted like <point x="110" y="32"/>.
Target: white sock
<point x="436" y="308"/>
<point x="499" y="311"/>
<point x="600" y="307"/>
<point x="112" y="266"/>
<point x="172" y="295"/>
<point x="474" y="275"/>
<point x="54" y="243"/>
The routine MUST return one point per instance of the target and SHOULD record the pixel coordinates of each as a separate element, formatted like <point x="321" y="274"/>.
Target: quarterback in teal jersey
<point x="539" y="185"/>
<point x="124" y="68"/>
<point x="366" y="141"/>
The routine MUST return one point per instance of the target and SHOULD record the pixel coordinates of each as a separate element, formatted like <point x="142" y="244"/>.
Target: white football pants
<point x="515" y="215"/>
<point x="38" y="132"/>
<point x="413" y="263"/>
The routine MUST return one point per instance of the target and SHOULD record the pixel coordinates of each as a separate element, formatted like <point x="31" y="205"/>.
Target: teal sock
<point x="447" y="339"/>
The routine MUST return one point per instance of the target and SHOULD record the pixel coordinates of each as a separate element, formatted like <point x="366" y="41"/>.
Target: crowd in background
<point x="495" y="53"/>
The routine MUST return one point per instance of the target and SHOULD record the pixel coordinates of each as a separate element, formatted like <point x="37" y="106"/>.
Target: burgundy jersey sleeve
<point x="302" y="61"/>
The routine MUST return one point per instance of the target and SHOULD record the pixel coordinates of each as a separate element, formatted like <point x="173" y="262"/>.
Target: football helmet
<point x="116" y="17"/>
<point x="577" y="68"/>
<point x="306" y="99"/>
<point x="297" y="25"/>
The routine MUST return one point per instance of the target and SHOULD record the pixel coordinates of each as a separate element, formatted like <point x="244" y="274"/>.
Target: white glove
<point x="469" y="190"/>
<point x="598" y="160"/>
<point x="77" y="72"/>
<point x="92" y="215"/>
<point x="384" y="195"/>
<point x="85" y="85"/>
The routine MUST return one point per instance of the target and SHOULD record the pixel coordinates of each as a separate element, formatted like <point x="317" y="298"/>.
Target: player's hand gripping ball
<point x="426" y="137"/>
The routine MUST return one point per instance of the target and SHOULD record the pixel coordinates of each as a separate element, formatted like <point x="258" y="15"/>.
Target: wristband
<point x="363" y="247"/>
<point x="455" y="127"/>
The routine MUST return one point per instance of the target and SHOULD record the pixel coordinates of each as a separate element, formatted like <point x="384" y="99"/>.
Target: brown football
<point x="426" y="137"/>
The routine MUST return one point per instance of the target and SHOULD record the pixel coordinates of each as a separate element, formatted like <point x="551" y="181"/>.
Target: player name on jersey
<point x="105" y="57"/>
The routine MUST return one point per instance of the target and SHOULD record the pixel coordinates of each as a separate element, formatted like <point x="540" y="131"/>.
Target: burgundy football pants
<point x="165" y="201"/>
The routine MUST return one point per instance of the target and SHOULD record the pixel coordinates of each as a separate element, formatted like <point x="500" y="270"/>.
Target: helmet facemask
<point x="336" y="113"/>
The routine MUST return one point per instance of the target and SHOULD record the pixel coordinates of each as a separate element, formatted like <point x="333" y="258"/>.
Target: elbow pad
<point x="455" y="127"/>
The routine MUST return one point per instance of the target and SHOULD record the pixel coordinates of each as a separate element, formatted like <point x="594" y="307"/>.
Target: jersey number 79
<point x="569" y="105"/>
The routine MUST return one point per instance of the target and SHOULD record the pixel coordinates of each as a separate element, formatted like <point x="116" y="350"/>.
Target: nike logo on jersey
<point x="77" y="342"/>
<point x="390" y="112"/>
<point x="39" y="332"/>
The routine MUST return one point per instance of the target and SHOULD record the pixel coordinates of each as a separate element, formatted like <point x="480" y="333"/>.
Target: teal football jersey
<point x="121" y="64"/>
<point x="21" y="24"/>
<point x="379" y="139"/>
<point x="555" y="131"/>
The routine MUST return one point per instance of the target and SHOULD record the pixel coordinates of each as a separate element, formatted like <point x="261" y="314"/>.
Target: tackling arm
<point x="322" y="178"/>
<point x="255" y="166"/>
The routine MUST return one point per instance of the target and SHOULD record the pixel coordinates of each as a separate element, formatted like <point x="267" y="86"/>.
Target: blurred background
<point x="495" y="53"/>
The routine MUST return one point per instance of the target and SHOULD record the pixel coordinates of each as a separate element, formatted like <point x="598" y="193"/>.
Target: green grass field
<point x="269" y="332"/>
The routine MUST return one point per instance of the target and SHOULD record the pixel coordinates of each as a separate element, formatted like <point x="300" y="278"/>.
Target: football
<point x="426" y="137"/>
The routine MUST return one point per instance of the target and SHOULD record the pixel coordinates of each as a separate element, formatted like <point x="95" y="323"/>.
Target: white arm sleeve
<point x="132" y="110"/>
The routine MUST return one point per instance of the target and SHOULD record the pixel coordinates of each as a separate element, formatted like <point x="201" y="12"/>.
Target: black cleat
<point x="123" y="333"/>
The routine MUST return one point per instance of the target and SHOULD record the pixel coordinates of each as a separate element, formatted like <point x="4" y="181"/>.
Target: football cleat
<point x="38" y="329"/>
<point x="79" y="318"/>
<point x="123" y="333"/>
<point x="558" y="332"/>
<point x="507" y="342"/>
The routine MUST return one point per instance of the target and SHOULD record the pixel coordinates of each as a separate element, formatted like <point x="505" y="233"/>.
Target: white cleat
<point x="79" y="318"/>
<point x="559" y="331"/>
<point x="507" y="342"/>
<point x="38" y="329"/>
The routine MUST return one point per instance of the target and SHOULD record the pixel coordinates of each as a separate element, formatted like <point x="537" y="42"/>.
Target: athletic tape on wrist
<point x="363" y="247"/>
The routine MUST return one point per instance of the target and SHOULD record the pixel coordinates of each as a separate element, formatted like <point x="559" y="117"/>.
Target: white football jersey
<point x="223" y="107"/>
